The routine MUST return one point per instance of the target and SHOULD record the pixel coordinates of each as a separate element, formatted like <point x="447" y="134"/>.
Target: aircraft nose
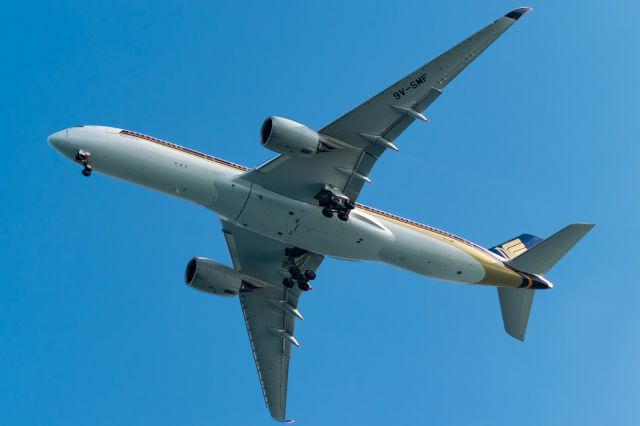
<point x="58" y="139"/>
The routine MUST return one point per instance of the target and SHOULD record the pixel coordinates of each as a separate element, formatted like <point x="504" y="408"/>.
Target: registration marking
<point x="413" y="84"/>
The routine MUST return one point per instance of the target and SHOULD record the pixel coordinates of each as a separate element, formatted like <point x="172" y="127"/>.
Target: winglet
<point x="515" y="14"/>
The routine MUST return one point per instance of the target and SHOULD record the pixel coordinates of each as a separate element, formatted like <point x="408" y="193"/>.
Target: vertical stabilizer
<point x="515" y="304"/>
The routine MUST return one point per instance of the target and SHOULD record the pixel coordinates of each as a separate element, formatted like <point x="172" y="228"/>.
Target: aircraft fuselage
<point x="368" y="235"/>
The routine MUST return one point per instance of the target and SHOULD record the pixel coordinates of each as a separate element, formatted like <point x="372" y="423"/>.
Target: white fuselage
<point x="218" y="185"/>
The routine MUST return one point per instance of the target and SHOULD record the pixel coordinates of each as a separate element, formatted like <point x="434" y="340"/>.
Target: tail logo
<point x="511" y="249"/>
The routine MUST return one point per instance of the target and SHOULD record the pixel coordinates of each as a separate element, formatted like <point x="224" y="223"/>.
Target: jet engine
<point x="289" y="138"/>
<point x="212" y="277"/>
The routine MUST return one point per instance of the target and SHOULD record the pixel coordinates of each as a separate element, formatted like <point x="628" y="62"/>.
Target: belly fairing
<point x="360" y="238"/>
<point x="302" y="225"/>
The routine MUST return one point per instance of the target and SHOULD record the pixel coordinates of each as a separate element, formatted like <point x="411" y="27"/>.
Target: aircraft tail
<point x="533" y="255"/>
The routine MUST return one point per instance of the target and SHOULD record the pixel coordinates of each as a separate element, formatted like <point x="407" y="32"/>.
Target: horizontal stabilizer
<point x="540" y="258"/>
<point x="515" y="304"/>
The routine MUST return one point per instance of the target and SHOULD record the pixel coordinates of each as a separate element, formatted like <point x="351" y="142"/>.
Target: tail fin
<point x="528" y="253"/>
<point x="516" y="246"/>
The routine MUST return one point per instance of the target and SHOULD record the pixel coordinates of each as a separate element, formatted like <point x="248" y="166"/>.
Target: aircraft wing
<point x="360" y="137"/>
<point x="269" y="308"/>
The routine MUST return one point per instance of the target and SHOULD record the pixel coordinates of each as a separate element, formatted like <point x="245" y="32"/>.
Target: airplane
<point x="282" y="218"/>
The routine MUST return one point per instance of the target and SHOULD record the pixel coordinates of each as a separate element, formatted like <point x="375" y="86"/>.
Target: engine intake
<point x="212" y="277"/>
<point x="289" y="138"/>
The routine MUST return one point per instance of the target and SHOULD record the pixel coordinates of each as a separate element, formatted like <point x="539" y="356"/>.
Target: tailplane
<point x="540" y="258"/>
<point x="533" y="255"/>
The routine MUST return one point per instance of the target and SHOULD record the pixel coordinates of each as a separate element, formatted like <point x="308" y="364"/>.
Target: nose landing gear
<point x="84" y="158"/>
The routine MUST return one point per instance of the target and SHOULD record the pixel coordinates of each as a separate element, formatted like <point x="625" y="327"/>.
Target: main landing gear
<point x="84" y="158"/>
<point x="294" y="261"/>
<point x="333" y="201"/>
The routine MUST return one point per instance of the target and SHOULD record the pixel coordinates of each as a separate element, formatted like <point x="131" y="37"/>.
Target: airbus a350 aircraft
<point x="281" y="218"/>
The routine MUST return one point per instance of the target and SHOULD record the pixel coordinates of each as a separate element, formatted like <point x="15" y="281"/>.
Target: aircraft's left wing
<point x="269" y="308"/>
<point x="356" y="140"/>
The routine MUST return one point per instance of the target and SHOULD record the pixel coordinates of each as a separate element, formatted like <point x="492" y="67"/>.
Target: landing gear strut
<point x="334" y="201"/>
<point x="84" y="158"/>
<point x="297" y="276"/>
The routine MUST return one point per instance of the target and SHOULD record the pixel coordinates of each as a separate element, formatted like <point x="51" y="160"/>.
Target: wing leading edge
<point x="371" y="128"/>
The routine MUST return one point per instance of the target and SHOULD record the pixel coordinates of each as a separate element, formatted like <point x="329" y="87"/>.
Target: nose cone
<point x="58" y="140"/>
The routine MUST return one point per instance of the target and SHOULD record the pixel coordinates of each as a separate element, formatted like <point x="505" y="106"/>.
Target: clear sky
<point x="96" y="325"/>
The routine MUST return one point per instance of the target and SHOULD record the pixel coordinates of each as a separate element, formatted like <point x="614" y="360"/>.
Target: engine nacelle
<point x="289" y="138"/>
<point x="212" y="277"/>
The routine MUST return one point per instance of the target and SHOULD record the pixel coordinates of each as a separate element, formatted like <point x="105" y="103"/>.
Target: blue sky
<point x="96" y="325"/>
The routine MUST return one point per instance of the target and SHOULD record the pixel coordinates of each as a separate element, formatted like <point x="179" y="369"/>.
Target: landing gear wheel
<point x="86" y="172"/>
<point x="343" y="216"/>
<point x="287" y="282"/>
<point x="327" y="212"/>
<point x="350" y="204"/>
<point x="295" y="271"/>
<point x="310" y="275"/>
<point x="304" y="286"/>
